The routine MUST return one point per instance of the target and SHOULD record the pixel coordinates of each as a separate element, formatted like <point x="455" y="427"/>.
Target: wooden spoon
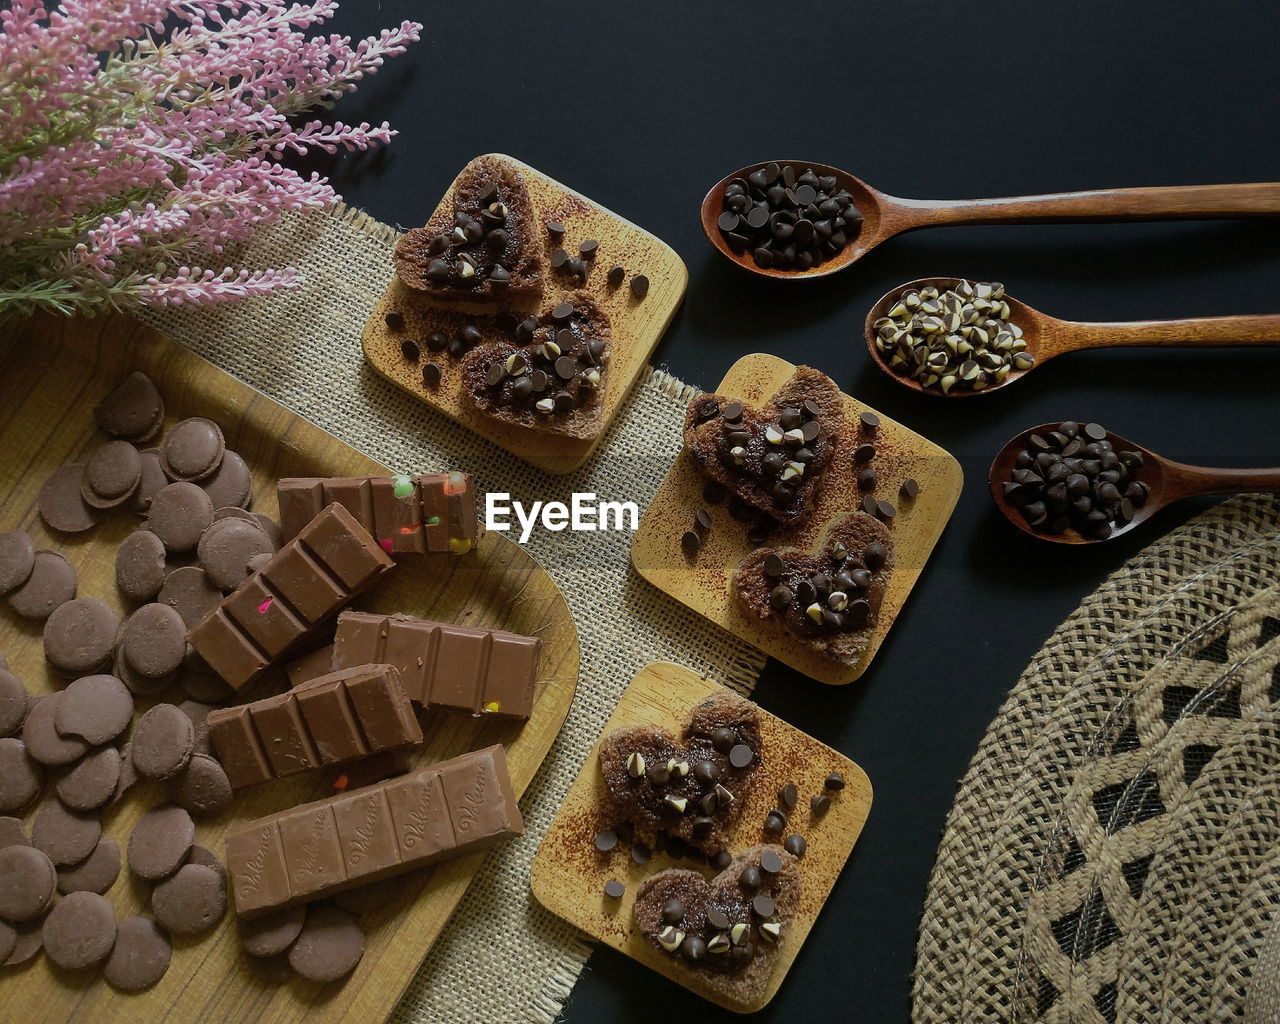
<point x="1169" y="482"/>
<point x="1047" y="336"/>
<point x="884" y="216"/>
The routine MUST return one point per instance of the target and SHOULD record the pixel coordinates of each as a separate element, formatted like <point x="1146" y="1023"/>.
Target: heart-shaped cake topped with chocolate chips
<point x="729" y="929"/>
<point x="693" y="787"/>
<point x="830" y="600"/>
<point x="551" y="375"/>
<point x="483" y="247"/>
<point x="773" y="458"/>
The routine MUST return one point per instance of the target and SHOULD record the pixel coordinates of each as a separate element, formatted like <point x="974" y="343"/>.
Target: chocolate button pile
<point x="1073" y="479"/>
<point x="788" y="219"/>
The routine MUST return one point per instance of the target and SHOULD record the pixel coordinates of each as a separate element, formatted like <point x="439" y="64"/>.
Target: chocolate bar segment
<point x="336" y="718"/>
<point x="454" y="668"/>
<point x="331" y="560"/>
<point x="308" y="852"/>
<point x="428" y="513"/>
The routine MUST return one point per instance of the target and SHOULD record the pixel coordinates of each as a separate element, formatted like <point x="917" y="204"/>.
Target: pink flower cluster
<point x="140" y="139"/>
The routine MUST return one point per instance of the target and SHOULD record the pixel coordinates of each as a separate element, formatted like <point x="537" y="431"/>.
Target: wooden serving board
<point x="568" y="874"/>
<point x="52" y="372"/>
<point x="636" y="325"/>
<point x="703" y="582"/>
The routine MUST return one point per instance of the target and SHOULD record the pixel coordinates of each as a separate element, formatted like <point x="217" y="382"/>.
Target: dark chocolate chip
<point x="718" y="919"/>
<point x="431" y="375"/>
<point x="640" y="853"/>
<point x="775" y="822"/>
<point x="788" y="795"/>
<point x="741" y="755"/>
<point x="616" y="275"/>
<point x="763" y="906"/>
<point x="562" y="311"/>
<point x="864" y="453"/>
<point x="770" y="862"/>
<point x="870" y="421"/>
<point x="554" y="229"/>
<point x="833" y="782"/>
<point x="588" y="248"/>
<point x="437" y="341"/>
<point x="723" y="739"/>
<point x="394" y="320"/>
<point x="820" y="804"/>
<point x="614" y="889"/>
<point x="702" y="521"/>
<point x="690" y="541"/>
<point x="750" y="878"/>
<point x="409" y="349"/>
<point x="867" y="480"/>
<point x="910" y="489"/>
<point x="721" y="860"/>
<point x="640" y="286"/>
<point x="795" y="845"/>
<point x="774" y="565"/>
<point x="885" y="510"/>
<point x="606" y="840"/>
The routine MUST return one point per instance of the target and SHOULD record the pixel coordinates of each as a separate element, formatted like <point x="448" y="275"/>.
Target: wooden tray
<point x="52" y="372"/>
<point x="636" y="325"/>
<point x="703" y="582"/>
<point x="568" y="874"/>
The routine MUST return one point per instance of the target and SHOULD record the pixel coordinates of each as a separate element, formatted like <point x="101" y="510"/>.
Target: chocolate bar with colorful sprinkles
<point x="305" y="853"/>
<point x="425" y="514"/>
<point x="455" y="668"/>
<point x="278" y="608"/>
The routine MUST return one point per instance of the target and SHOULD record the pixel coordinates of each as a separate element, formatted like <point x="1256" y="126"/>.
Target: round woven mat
<point x="1114" y="852"/>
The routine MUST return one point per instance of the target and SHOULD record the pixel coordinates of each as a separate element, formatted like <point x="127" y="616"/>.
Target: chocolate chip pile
<point x="833" y="599"/>
<point x="778" y="453"/>
<point x="1073" y="478"/>
<point x="787" y="218"/>
<point x="556" y="368"/>
<point x="472" y="252"/>
<point x="958" y="339"/>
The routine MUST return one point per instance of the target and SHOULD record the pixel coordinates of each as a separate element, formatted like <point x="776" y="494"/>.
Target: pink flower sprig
<point x="131" y="153"/>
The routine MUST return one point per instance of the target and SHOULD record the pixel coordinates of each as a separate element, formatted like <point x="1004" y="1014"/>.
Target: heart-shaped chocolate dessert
<point x="773" y="458"/>
<point x="483" y="247"/>
<point x="729" y="929"/>
<point x="551" y="375"/>
<point x="693" y="788"/>
<point x="832" y="599"/>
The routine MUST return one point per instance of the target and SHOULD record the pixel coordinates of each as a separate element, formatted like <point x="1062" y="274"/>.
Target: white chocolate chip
<point x="545" y="405"/>
<point x="670" y="938"/>
<point x="814" y="611"/>
<point x="738" y="454"/>
<point x="771" y="930"/>
<point x="795" y="436"/>
<point x="739" y="933"/>
<point x="635" y="765"/>
<point x="679" y="803"/>
<point x="772" y="434"/>
<point x="719" y="943"/>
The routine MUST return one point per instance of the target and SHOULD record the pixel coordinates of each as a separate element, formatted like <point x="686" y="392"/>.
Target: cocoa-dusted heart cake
<point x="484" y="247"/>
<point x="729" y="929"/>
<point x="693" y="787"/>
<point x="830" y="600"/>
<point x="773" y="458"/>
<point x="551" y="375"/>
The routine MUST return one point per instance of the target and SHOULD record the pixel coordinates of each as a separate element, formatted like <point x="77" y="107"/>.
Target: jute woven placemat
<point x="502" y="958"/>
<point x="1114" y="852"/>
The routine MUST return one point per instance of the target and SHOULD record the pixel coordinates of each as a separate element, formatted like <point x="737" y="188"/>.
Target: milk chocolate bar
<point x="275" y="610"/>
<point x="317" y="849"/>
<point x="455" y="668"/>
<point x="337" y="717"/>
<point x="433" y="512"/>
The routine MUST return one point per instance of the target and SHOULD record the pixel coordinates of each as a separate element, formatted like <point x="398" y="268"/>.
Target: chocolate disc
<point x="199" y="714"/>
<point x="226" y="547"/>
<point x="204" y="856"/>
<point x="140" y="567"/>
<point x="152" y="480"/>
<point x="162" y="742"/>
<point x="39" y="732"/>
<point x="138" y="684"/>
<point x="193" y="449"/>
<point x="62" y="507"/>
<point x="154" y="640"/>
<point x="160" y="842"/>
<point x="207" y="688"/>
<point x="52" y="583"/>
<point x="140" y="956"/>
<point x="20" y="776"/>
<point x="128" y="774"/>
<point x="12" y="833"/>
<point x="96" y="873"/>
<point x="134" y="410"/>
<point x="27" y="883"/>
<point x="179" y="513"/>
<point x="273" y="933"/>
<point x="79" y="931"/>
<point x="67" y="836"/>
<point x="190" y="593"/>
<point x="92" y="782"/>
<point x="95" y="708"/>
<point x="231" y="484"/>
<point x="28" y="945"/>
<point x="202" y="787"/>
<point x="13" y="703"/>
<point x="329" y="945"/>
<point x="234" y="512"/>
<point x="272" y="529"/>
<point x="190" y="902"/>
<point x="8" y="940"/>
<point x="80" y="636"/>
<point x="111" y="475"/>
<point x="17" y="559"/>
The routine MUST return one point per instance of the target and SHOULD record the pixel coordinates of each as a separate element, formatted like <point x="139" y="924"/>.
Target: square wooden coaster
<point x="703" y="581"/>
<point x="636" y="325"/>
<point x="569" y="875"/>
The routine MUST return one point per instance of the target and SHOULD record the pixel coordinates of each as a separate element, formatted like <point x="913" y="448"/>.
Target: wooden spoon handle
<point x="1198" y="331"/>
<point x="1181" y="202"/>
<point x="1182" y="481"/>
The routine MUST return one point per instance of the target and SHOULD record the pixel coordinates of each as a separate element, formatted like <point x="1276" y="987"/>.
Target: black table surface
<point x="644" y="106"/>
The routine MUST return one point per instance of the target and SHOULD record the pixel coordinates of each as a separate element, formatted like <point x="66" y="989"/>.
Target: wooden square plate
<point x="569" y="874"/>
<point x="636" y="324"/>
<point x="52" y="373"/>
<point x="703" y="582"/>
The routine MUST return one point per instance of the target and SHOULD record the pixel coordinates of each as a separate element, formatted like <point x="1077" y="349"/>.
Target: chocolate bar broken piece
<point x="454" y="668"/>
<point x="322" y="848"/>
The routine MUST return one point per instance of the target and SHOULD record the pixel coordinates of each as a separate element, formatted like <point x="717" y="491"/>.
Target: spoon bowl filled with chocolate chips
<point x="953" y="337"/>
<point x="794" y="218"/>
<point x="1078" y="483"/>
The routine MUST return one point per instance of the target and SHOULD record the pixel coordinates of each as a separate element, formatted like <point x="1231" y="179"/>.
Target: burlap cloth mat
<point x="1114" y="851"/>
<point x="502" y="957"/>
